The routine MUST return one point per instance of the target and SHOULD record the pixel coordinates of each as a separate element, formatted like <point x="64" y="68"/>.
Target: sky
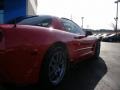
<point x="98" y="14"/>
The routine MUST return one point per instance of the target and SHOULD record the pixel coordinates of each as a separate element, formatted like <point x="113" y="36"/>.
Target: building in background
<point x="31" y="7"/>
<point x="10" y="9"/>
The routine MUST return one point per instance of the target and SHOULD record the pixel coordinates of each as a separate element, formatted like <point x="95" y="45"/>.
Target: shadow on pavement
<point x="83" y="76"/>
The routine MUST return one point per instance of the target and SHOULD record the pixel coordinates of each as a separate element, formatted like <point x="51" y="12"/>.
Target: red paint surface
<point x="23" y="47"/>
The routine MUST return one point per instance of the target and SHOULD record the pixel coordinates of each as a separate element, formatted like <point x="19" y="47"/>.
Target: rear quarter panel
<point x="25" y="47"/>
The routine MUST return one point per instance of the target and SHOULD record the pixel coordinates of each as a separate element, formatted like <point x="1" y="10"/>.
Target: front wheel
<point x="97" y="50"/>
<point x="55" y="66"/>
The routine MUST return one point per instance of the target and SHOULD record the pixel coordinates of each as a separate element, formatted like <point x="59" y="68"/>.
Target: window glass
<point x="44" y="21"/>
<point x="72" y="27"/>
<point x="37" y="21"/>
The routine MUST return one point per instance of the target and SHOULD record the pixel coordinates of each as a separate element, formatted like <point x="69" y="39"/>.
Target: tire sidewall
<point x="97" y="49"/>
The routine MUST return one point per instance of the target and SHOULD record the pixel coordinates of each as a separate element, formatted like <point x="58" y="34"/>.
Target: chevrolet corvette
<point x="40" y="49"/>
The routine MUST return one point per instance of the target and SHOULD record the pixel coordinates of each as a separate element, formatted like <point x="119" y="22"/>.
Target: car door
<point x="81" y="43"/>
<point x="18" y="54"/>
<point x="21" y="52"/>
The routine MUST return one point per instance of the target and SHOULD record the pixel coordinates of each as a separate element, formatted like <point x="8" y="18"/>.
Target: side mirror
<point x="88" y="33"/>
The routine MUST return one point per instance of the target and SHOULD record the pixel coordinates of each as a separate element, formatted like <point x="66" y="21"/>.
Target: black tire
<point x="54" y="67"/>
<point x="97" y="50"/>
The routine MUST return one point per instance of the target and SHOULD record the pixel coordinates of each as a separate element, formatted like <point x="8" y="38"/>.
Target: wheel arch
<point x="56" y="44"/>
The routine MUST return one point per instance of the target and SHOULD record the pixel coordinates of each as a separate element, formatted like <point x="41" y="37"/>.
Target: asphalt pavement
<point x="110" y="53"/>
<point x="100" y="74"/>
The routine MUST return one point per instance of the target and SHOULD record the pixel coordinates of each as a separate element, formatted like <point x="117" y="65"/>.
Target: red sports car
<point x="39" y="49"/>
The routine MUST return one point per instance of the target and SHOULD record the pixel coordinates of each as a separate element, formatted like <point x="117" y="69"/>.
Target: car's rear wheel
<point x="54" y="67"/>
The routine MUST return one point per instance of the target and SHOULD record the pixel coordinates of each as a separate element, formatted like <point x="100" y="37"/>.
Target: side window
<point x="45" y="23"/>
<point x="72" y="27"/>
<point x="37" y="21"/>
<point x="67" y="26"/>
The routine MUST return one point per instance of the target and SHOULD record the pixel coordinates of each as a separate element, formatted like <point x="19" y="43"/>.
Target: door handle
<point x="1" y="36"/>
